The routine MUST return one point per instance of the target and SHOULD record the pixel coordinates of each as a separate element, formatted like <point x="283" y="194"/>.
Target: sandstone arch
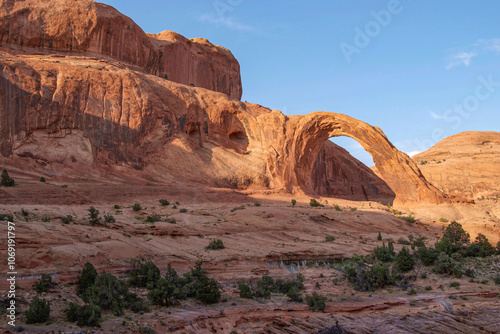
<point x="396" y="168"/>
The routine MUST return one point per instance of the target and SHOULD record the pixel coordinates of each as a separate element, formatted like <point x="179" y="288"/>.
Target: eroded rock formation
<point x="68" y="112"/>
<point x="91" y="28"/>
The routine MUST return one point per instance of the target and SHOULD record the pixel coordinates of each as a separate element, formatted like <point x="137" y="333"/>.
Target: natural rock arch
<point x="397" y="169"/>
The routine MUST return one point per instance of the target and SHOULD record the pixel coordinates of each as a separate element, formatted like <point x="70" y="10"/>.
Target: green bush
<point x="38" y="312"/>
<point x="169" y="289"/>
<point x="86" y="279"/>
<point x="164" y="202"/>
<point x="44" y="284"/>
<point x="265" y="286"/>
<point x="338" y="208"/>
<point x="136" y="207"/>
<point x="109" y="219"/>
<point x="144" y="275"/>
<point x="294" y="202"/>
<point x="45" y="219"/>
<point x="383" y="253"/>
<point x="94" y="218"/>
<point x="379" y="237"/>
<point x="6" y="180"/>
<point x="445" y="264"/>
<point x="497" y="280"/>
<point x="207" y="291"/>
<point x="457" y="235"/>
<point x="183" y="210"/>
<point x="116" y="207"/>
<point x="85" y="315"/>
<point x="404" y="260"/>
<point x="409" y="219"/>
<point x="329" y="238"/>
<point x="455" y="284"/>
<point x="314" y="203"/>
<point x="481" y="247"/>
<point x="444" y="245"/>
<point x="216" y="244"/>
<point x="7" y="217"/>
<point x="241" y="207"/>
<point x="108" y="292"/>
<point x="245" y="291"/>
<point x="257" y="203"/>
<point x="66" y="220"/>
<point x="427" y="255"/>
<point x="316" y="302"/>
<point x="367" y="278"/>
<point x="42" y="179"/>
<point x="153" y="218"/>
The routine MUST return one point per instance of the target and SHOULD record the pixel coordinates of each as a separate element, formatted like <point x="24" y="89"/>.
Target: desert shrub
<point x="480" y="247"/>
<point x="25" y="213"/>
<point x="445" y="264"/>
<point x="257" y="203"/>
<point x="338" y="208"/>
<point x="171" y="220"/>
<point x="164" y="202"/>
<point x="294" y="202"/>
<point x="384" y="253"/>
<point x="241" y="207"/>
<point x="444" y="245"/>
<point x="109" y="219"/>
<point x="427" y="255"/>
<point x="6" y="180"/>
<point x="45" y="219"/>
<point x="403" y="241"/>
<point x="455" y="284"/>
<point x="329" y="238"/>
<point x="168" y="290"/>
<point x="94" y="218"/>
<point x="314" y="203"/>
<point x="291" y="288"/>
<point x="316" y="302"/>
<point x="116" y="207"/>
<point x="409" y="219"/>
<point x="86" y="279"/>
<point x="136" y="207"/>
<point x="183" y="210"/>
<point x="44" y="284"/>
<point x="66" y="220"/>
<point x="83" y="315"/>
<point x="153" y="218"/>
<point x="367" y="279"/>
<point x="497" y="279"/>
<point x="379" y="237"/>
<point x="144" y="275"/>
<point x="428" y="288"/>
<point x="245" y="291"/>
<point x="457" y="235"/>
<point x="443" y="220"/>
<point x="216" y="244"/>
<point x="108" y="292"/>
<point x="42" y="179"/>
<point x="265" y="286"/>
<point x="38" y="312"/>
<point x="404" y="260"/>
<point x="199" y="286"/>
<point x="7" y="217"/>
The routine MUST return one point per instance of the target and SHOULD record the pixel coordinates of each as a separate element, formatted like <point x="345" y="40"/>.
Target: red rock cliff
<point x="91" y="28"/>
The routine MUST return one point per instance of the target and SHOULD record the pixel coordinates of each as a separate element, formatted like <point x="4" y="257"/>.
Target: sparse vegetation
<point x="44" y="284"/>
<point x="38" y="312"/>
<point x="45" y="219"/>
<point x="329" y="238"/>
<point x="241" y="207"/>
<point x="316" y="302"/>
<point x="94" y="218"/>
<point x="257" y="203"/>
<point x="42" y="179"/>
<point x="136" y="207"/>
<point x="109" y="219"/>
<point x="183" y="210"/>
<point x="338" y="208"/>
<point x="164" y="202"/>
<point x="379" y="237"/>
<point x="314" y="203"/>
<point x="294" y="202"/>
<point x="66" y="220"/>
<point x="245" y="291"/>
<point x="153" y="218"/>
<point x="6" y="180"/>
<point x="216" y="244"/>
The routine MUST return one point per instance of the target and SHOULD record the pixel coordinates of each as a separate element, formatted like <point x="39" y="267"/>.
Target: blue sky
<point x="420" y="70"/>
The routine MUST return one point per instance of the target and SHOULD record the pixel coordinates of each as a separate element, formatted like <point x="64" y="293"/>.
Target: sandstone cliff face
<point x="90" y="28"/>
<point x="337" y="174"/>
<point x="77" y="114"/>
<point x="464" y="165"/>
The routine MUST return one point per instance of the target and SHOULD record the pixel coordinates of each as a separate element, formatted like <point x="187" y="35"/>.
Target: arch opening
<point x="337" y="173"/>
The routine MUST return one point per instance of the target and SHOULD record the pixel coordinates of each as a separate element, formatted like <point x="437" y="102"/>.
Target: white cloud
<point x="489" y="44"/>
<point x="225" y="21"/>
<point x="412" y="153"/>
<point x="436" y="116"/>
<point x="459" y="59"/>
